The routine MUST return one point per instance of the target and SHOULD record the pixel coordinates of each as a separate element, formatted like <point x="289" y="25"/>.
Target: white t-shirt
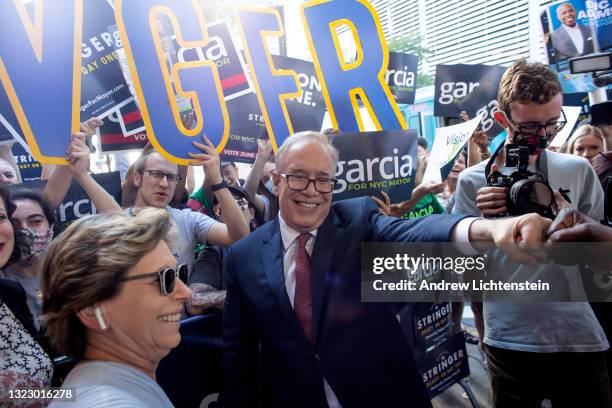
<point x="541" y="327"/>
<point x="104" y="384"/>
<point x="193" y="228"/>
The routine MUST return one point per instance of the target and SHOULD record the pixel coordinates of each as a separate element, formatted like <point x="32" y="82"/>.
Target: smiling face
<point x="229" y="172"/>
<point x="7" y="236"/>
<point x="566" y="13"/>
<point x="587" y="146"/>
<point x="305" y="210"/>
<point x="151" y="328"/>
<point x="7" y="173"/>
<point x="152" y="192"/>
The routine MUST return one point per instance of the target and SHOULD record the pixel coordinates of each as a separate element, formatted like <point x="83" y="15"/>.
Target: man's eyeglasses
<point x="166" y="277"/>
<point x="159" y="175"/>
<point x="300" y="183"/>
<point x="533" y="128"/>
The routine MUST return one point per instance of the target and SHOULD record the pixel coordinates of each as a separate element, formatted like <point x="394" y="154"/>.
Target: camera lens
<point x="531" y="196"/>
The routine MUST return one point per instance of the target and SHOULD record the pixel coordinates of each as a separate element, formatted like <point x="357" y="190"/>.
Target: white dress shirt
<point x="576" y="36"/>
<point x="460" y="233"/>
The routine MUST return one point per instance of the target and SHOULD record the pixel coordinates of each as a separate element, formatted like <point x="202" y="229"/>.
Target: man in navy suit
<point x="571" y="39"/>
<point x="293" y="293"/>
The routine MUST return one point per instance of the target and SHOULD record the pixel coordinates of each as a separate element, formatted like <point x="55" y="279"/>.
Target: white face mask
<point x="35" y="245"/>
<point x="269" y="184"/>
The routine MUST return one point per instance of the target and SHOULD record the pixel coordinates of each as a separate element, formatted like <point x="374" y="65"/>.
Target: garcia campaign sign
<point x="50" y="46"/>
<point x="470" y="88"/>
<point x="371" y="162"/>
<point x="401" y="76"/>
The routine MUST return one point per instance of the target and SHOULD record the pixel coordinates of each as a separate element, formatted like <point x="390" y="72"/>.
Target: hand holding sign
<point x="208" y="159"/>
<point x="78" y="154"/>
<point x="448" y="143"/>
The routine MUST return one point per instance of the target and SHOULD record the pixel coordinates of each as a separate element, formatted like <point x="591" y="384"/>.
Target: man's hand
<point x="521" y="238"/>
<point x="491" y="201"/>
<point x="77" y="155"/>
<point x="481" y="139"/>
<point x="209" y="160"/>
<point x="264" y="148"/>
<point x="572" y="226"/>
<point x="384" y="207"/>
<point x="88" y="128"/>
<point x="205" y="298"/>
<point x="560" y="202"/>
<point x="431" y="187"/>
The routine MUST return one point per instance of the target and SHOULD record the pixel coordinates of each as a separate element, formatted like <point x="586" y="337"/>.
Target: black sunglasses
<point x="166" y="277"/>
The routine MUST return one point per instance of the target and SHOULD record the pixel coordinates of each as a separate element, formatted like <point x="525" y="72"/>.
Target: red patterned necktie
<point x="302" y="302"/>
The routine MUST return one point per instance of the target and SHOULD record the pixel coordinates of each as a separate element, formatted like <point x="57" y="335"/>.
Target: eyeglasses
<point x="166" y="277"/>
<point x="300" y="183"/>
<point x="533" y="128"/>
<point x="159" y="175"/>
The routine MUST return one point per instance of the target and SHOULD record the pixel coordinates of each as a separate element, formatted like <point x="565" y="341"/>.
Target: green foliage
<point x="413" y="44"/>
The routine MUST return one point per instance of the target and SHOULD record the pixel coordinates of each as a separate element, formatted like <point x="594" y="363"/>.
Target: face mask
<point x="269" y="184"/>
<point x="35" y="245"/>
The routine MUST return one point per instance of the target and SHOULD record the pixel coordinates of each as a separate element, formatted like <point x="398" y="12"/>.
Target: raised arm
<point x="235" y="226"/>
<point x="78" y="157"/>
<point x="264" y="148"/>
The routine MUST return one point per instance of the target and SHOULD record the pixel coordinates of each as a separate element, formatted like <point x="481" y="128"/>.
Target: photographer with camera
<point x="536" y="350"/>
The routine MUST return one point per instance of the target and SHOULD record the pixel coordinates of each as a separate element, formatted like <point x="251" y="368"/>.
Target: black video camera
<point x="528" y="192"/>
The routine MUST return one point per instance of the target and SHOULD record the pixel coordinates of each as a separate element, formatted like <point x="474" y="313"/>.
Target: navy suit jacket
<point x="565" y="48"/>
<point x="358" y="347"/>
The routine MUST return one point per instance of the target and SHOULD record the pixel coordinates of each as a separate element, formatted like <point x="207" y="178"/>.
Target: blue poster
<point x="29" y="168"/>
<point x="575" y="28"/>
<point x="102" y="83"/>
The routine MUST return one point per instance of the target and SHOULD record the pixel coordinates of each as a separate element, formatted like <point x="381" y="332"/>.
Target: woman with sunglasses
<point x="113" y="297"/>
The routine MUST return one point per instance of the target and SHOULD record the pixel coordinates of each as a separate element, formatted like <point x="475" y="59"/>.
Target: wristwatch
<point x="218" y="186"/>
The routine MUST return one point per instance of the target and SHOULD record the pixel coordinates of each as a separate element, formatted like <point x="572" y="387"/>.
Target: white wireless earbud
<point x="101" y="322"/>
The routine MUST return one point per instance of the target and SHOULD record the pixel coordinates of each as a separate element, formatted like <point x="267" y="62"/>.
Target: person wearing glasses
<point x="156" y="179"/>
<point x="113" y="297"/>
<point x="534" y="348"/>
<point x="294" y="293"/>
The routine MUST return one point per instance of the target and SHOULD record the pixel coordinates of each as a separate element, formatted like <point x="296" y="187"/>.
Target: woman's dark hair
<point x="10" y="207"/>
<point x="37" y="197"/>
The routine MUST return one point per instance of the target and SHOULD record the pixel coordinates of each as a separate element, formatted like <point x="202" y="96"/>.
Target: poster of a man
<point x="571" y="39"/>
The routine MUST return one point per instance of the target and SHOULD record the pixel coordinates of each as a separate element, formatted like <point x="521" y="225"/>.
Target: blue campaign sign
<point x="46" y="42"/>
<point x="29" y="168"/>
<point x="371" y="162"/>
<point x="273" y="86"/>
<point x="102" y="83"/>
<point x="44" y="45"/>
<point x="344" y="82"/>
<point x="157" y="85"/>
<point x="444" y="365"/>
